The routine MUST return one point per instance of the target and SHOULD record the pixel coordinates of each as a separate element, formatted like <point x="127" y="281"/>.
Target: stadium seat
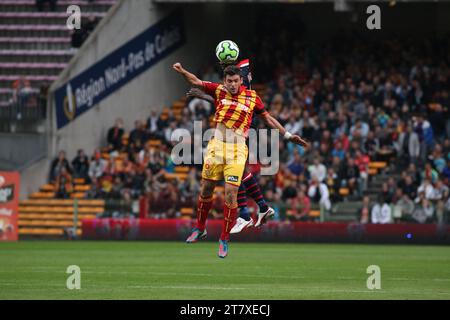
<point x="344" y="192"/>
<point x="42" y="195"/>
<point x="154" y="143"/>
<point x="179" y="176"/>
<point x="377" y="165"/>
<point x="178" y="105"/>
<point x="182" y="169"/>
<point x="187" y="211"/>
<point x="79" y="181"/>
<point x="82" y="187"/>
<point x="105" y="155"/>
<point x="314" y="213"/>
<point x="47" y="187"/>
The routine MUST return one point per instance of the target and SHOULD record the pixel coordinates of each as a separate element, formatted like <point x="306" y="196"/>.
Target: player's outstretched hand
<point x="195" y="93"/>
<point x="178" y="67"/>
<point x="298" y="140"/>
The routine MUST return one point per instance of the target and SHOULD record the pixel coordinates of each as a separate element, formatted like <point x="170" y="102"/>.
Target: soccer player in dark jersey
<point x="249" y="185"/>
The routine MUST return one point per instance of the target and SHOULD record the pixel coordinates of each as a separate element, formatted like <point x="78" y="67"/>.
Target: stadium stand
<point x="36" y="45"/>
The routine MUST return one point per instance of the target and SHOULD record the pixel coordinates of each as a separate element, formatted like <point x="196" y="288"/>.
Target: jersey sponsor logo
<point x="239" y="106"/>
<point x="232" y="178"/>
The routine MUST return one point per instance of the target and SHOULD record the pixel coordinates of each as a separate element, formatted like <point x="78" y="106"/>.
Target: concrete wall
<point x="16" y="149"/>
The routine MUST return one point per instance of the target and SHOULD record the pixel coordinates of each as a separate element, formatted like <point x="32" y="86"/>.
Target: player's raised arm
<point x="190" y="77"/>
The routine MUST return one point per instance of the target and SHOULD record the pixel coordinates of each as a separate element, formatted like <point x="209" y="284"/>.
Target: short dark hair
<point x="232" y="71"/>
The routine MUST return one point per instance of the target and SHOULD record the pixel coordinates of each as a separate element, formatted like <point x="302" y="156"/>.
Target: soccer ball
<point x="227" y="51"/>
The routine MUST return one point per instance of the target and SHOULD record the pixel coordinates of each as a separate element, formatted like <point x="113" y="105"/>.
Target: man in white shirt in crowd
<point x="317" y="170"/>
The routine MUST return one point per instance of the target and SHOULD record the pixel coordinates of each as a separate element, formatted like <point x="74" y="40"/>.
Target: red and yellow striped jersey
<point x="234" y="111"/>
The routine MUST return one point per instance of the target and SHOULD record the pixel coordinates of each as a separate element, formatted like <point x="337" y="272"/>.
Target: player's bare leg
<point x="203" y="206"/>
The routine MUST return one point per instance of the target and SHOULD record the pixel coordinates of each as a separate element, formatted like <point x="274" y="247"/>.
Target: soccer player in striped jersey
<point x="249" y="185"/>
<point x="227" y="151"/>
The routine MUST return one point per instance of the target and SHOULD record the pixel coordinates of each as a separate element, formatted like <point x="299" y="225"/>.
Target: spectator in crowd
<point x="318" y="193"/>
<point x="169" y="130"/>
<point x="138" y="136"/>
<point x="189" y="189"/>
<point x="115" y="135"/>
<point x="350" y="176"/>
<point x="165" y="198"/>
<point x="116" y="188"/>
<point x="338" y="151"/>
<point x="364" y="212"/>
<point x="22" y="93"/>
<point x="123" y="167"/>
<point x="80" y="35"/>
<point x="317" y="170"/>
<point x="289" y="190"/>
<point x="97" y="166"/>
<point x="362" y="162"/>
<point x="408" y="146"/>
<point x="446" y="173"/>
<point x="63" y="184"/>
<point x="80" y="165"/>
<point x="424" y="210"/>
<point x="381" y="213"/>
<point x="296" y="166"/>
<point x="152" y="124"/>
<point x="77" y="37"/>
<point x="94" y="191"/>
<point x="404" y="207"/>
<point x="301" y="206"/>
<point x="58" y="164"/>
<point x="440" y="196"/>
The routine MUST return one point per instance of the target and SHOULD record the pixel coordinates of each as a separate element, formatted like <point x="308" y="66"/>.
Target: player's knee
<point x="207" y="189"/>
<point x="231" y="196"/>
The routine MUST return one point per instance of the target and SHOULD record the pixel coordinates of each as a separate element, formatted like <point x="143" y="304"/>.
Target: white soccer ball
<point x="227" y="51"/>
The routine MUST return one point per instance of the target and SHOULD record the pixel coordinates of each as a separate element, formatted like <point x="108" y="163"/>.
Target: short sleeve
<point x="209" y="87"/>
<point x="259" y="106"/>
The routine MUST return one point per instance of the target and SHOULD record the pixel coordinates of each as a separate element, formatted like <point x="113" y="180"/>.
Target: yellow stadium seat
<point x="47" y="188"/>
<point x="314" y="213"/>
<point x="377" y="165"/>
<point x="84" y="187"/>
<point x="77" y="195"/>
<point x="182" y="169"/>
<point x="79" y="180"/>
<point x="178" y="105"/>
<point x="187" y="212"/>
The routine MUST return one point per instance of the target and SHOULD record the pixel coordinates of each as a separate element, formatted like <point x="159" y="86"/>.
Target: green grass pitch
<point x="174" y="270"/>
